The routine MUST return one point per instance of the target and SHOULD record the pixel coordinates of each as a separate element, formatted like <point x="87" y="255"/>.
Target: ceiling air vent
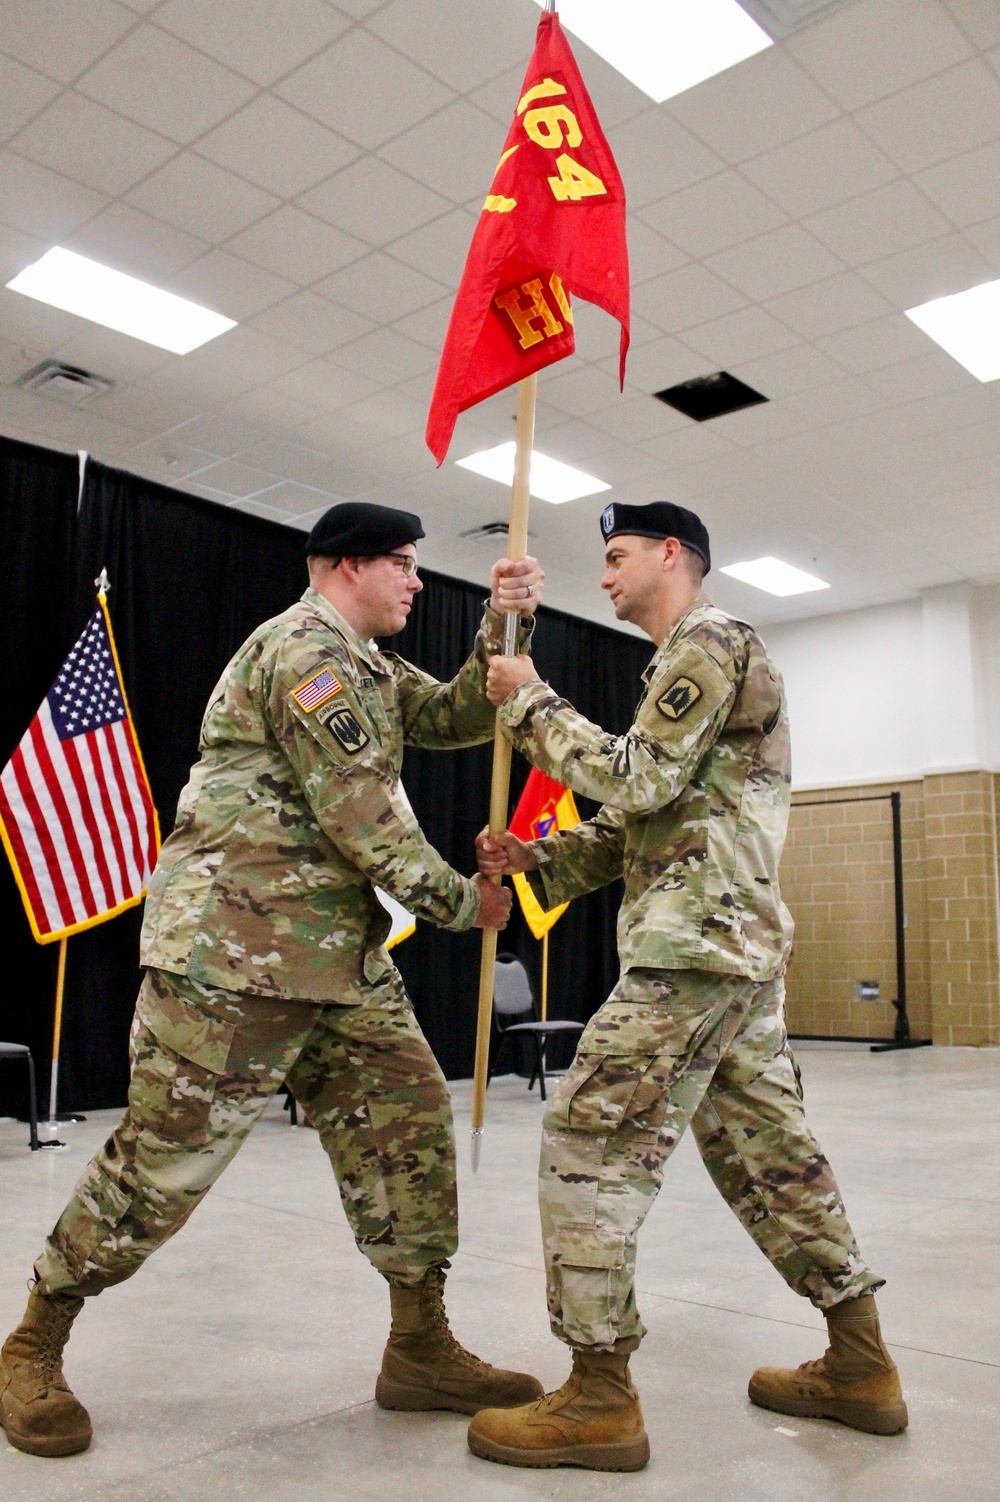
<point x="710" y="396"/>
<point x="486" y="531"/>
<point x="780" y="18"/>
<point x="64" y="383"/>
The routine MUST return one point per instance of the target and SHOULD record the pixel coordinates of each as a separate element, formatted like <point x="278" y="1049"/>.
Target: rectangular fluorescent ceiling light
<point x="71" y="282"/>
<point x="551" y="480"/>
<point x="967" y="327"/>
<point x="665" y="46"/>
<point x="775" y="577"/>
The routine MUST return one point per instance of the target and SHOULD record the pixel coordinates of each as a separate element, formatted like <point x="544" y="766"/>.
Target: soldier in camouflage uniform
<point x="695" y="805"/>
<point x="264" y="942"/>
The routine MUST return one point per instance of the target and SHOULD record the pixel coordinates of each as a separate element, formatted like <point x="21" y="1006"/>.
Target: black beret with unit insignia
<point x="658" y="519"/>
<point x="360" y="529"/>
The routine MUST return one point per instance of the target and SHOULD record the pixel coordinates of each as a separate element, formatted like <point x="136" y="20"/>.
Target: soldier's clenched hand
<point x="506" y="674"/>
<point x="516" y="586"/>
<point x="495" y="903"/>
<point x="504" y="854"/>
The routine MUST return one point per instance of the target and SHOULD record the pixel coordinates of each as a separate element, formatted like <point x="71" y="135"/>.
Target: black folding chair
<point x="513" y="997"/>
<point x="22" y="1051"/>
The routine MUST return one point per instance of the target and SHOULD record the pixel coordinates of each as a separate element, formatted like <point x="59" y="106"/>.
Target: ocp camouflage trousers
<point x="205" y="1063"/>
<point x="669" y="1048"/>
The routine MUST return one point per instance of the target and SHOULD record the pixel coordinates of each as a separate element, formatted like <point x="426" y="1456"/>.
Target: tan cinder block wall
<point x="836" y="877"/>
<point x="960" y="837"/>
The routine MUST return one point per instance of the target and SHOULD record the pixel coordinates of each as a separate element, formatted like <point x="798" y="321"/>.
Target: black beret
<point x="360" y="529"/>
<point x="658" y="519"/>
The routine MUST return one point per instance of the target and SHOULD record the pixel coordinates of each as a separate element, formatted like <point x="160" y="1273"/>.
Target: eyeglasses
<point x="407" y="563"/>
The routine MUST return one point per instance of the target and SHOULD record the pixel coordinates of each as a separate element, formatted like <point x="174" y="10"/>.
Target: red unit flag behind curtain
<point x="553" y="224"/>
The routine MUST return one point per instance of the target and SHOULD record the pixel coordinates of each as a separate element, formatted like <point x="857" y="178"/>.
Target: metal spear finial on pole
<point x="517" y="547"/>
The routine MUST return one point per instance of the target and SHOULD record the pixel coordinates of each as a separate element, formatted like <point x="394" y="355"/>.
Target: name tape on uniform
<point x="676" y="700"/>
<point x="316" y="690"/>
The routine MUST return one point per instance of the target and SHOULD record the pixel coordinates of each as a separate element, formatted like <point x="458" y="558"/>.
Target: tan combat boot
<point x="424" y="1367"/>
<point x="856" y="1381"/>
<point x="594" y="1420"/>
<point x="38" y="1412"/>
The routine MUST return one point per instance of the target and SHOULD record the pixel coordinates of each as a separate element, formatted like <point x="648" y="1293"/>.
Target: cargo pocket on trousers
<point x="589" y="1247"/>
<point x="179" y="1052"/>
<point x="97" y="1206"/>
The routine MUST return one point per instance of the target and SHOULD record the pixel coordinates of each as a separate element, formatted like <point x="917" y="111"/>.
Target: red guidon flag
<point x="544" y="807"/>
<point x="76" y="815"/>
<point x="553" y="224"/>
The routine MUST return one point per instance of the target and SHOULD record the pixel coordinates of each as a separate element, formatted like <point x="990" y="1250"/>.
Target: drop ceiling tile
<point x="745" y="335"/>
<point x="928" y="376"/>
<point x="967" y="188"/>
<point x="289" y="499"/>
<point x="216" y="431"/>
<point x="169" y="462"/>
<point x="23" y="92"/>
<point x="197" y="196"/>
<point x="657" y="365"/>
<point x="62" y="37"/>
<point x="840" y="302"/>
<point x="760" y="424"/>
<point x="947" y="114"/>
<point x="764" y="102"/>
<point x="614" y="98"/>
<point x="42" y="203"/>
<point x="154" y="405"/>
<point x="233" y="479"/>
<point x="455" y="151"/>
<point x="796" y="369"/>
<point x="461" y="47"/>
<point x="387" y="414"/>
<point x="398" y="459"/>
<point x="823" y="168"/>
<point x="598" y="334"/>
<point x="108" y="353"/>
<point x="131" y="241"/>
<point x="427" y="325"/>
<point x="312" y="323"/>
<point x="438" y="249"/>
<point x="986" y="239"/>
<point x="687" y="445"/>
<point x="634" y="419"/>
<point x="385" y="356"/>
<point x="325" y="386"/>
<point x="296" y="245"/>
<point x="936" y="269"/>
<point x="267" y="409"/>
<point x="373" y="201"/>
<point x="277" y="147"/>
<point x="848" y="397"/>
<point x="230" y="286"/>
<point x="649" y="254"/>
<point x="294" y="461"/>
<point x="380" y="287"/>
<point x="163" y="84"/>
<point x="17" y="250"/>
<point x="687" y="296"/>
<point x="979" y="19"/>
<point x="878" y="224"/>
<point x="92" y="145"/>
<point x="262" y="39"/>
<point x="580" y="443"/>
<point x="875" y="345"/>
<point x="871" y="49"/>
<point x="778" y="262"/>
<point x="710" y="215"/>
<point x="337" y="89"/>
<point x="657" y="156"/>
<point x="579" y="389"/>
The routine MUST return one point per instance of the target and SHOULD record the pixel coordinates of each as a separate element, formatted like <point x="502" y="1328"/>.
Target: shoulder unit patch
<point x="342" y="720"/>
<point x="315" y="691"/>
<point x="676" y="700"/>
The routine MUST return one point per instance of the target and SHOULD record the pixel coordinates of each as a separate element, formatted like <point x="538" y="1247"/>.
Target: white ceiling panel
<point x="692" y="294"/>
<point x="337" y="89"/>
<point x="873" y="346"/>
<point x="62" y="37"/>
<point x="152" y="78"/>
<point x="312" y="323"/>
<point x="653" y="367"/>
<point x="23" y="92"/>
<point x="381" y="287"/>
<point x="296" y="245"/>
<point x="262" y="39"/>
<point x="798" y="368"/>
<point x="130" y="241"/>
<point x="967" y="188"/>
<point x="986" y="239"/>
<point x="455" y="152"/>
<point x="875" y="47"/>
<point x="373" y="201"/>
<point x="721" y="211"/>
<point x="761" y="104"/>
<point x="438" y="249"/>
<point x="230" y="286"/>
<point x="385" y="355"/>
<point x="195" y="195"/>
<point x="840" y="302"/>
<point x="935" y="269"/>
<point x="778" y="262"/>
<point x="277" y="147"/>
<point x="90" y="144"/>
<point x="325" y="385"/>
<point x="234" y="479"/>
<point x="878" y="224"/>
<point x="823" y="168"/>
<point x="947" y="114"/>
<point x="657" y="156"/>
<point x="436" y="34"/>
<point x="41" y="202"/>
<point x="745" y="335"/>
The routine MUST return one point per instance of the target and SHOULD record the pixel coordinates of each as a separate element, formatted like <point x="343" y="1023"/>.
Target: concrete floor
<point x="240" y="1363"/>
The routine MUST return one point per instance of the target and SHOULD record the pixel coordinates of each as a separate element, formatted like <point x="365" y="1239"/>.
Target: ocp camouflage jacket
<point x="695" y="794"/>
<point x="294" y="812"/>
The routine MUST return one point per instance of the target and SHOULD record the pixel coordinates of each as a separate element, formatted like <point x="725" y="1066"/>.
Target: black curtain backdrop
<point x="189" y="581"/>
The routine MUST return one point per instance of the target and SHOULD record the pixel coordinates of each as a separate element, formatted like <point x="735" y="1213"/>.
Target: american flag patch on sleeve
<point x="316" y="690"/>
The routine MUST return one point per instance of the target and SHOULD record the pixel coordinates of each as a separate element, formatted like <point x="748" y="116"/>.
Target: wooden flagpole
<point x="57" y="1033"/>
<point x="517" y="547"/>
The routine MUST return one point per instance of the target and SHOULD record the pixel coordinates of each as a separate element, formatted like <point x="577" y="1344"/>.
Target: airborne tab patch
<point x="678" y="698"/>
<point x="316" y="690"/>
<point x="344" y="724"/>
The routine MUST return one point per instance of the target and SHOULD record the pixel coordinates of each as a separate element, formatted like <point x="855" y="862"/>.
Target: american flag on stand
<point x="76" y="814"/>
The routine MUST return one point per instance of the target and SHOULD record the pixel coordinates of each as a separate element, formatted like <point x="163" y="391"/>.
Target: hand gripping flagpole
<point x="517" y="547"/>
